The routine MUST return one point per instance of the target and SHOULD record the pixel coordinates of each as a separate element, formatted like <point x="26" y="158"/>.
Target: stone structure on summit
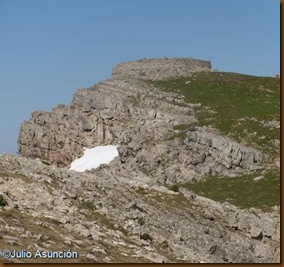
<point x="159" y="69"/>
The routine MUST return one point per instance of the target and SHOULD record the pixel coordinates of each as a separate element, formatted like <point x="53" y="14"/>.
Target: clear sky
<point x="50" y="48"/>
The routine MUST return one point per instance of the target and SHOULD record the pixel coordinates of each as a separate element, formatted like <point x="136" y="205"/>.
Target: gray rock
<point x="159" y="69"/>
<point x="199" y="159"/>
<point x="83" y="122"/>
<point x="126" y="209"/>
<point x="222" y="149"/>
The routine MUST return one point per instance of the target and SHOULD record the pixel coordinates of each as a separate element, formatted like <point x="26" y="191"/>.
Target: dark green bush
<point x="3" y="201"/>
<point x="174" y="187"/>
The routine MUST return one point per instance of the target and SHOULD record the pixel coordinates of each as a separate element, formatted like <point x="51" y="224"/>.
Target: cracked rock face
<point x="141" y="120"/>
<point x="107" y="217"/>
<point x="222" y="149"/>
<point x="124" y="211"/>
<point x="110" y="112"/>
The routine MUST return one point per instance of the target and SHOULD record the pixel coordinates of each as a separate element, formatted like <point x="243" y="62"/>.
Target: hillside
<point x="197" y="178"/>
<point x="247" y="109"/>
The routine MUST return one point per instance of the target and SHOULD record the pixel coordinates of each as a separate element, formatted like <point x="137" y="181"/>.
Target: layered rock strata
<point x="159" y="69"/>
<point x="134" y="209"/>
<point x="110" y="215"/>
<point x="144" y="122"/>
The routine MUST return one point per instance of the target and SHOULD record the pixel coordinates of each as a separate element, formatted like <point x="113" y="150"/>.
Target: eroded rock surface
<point x="143" y="121"/>
<point x="125" y="212"/>
<point x="113" y="215"/>
<point x="159" y="69"/>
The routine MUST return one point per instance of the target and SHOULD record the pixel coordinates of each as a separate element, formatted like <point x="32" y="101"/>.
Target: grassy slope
<point x="239" y="102"/>
<point x="238" y="105"/>
<point x="242" y="191"/>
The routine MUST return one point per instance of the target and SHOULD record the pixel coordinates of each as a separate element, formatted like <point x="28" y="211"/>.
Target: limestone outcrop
<point x="159" y="69"/>
<point x="110" y="215"/>
<point x="111" y="112"/>
<point x="138" y="208"/>
<point x="143" y="121"/>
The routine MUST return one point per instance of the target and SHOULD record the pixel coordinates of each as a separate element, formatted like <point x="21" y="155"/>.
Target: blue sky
<point x="48" y="49"/>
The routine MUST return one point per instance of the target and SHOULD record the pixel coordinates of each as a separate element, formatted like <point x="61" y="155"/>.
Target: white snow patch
<point x="94" y="157"/>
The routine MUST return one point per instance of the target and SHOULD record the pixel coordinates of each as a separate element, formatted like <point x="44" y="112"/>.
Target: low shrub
<point x="3" y="201"/>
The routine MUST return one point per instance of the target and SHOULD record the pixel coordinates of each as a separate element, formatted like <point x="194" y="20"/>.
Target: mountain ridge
<point x="173" y="132"/>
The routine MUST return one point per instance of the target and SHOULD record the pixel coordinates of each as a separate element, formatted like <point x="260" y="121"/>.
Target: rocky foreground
<point x="132" y="210"/>
<point x="113" y="215"/>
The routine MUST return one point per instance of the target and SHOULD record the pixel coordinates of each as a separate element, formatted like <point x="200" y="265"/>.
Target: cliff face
<point x="142" y="120"/>
<point x="143" y="206"/>
<point x="111" y="112"/>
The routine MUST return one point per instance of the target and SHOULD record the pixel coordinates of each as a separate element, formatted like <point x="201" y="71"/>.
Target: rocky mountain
<point x="141" y="208"/>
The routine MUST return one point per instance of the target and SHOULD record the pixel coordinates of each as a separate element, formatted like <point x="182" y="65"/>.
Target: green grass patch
<point x="3" y="201"/>
<point x="182" y="130"/>
<point x="8" y="174"/>
<point x="179" y="135"/>
<point x="89" y="205"/>
<point x="173" y="187"/>
<point x="242" y="191"/>
<point x="228" y="97"/>
<point x="45" y="162"/>
<point x="142" y="191"/>
<point x="183" y="127"/>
